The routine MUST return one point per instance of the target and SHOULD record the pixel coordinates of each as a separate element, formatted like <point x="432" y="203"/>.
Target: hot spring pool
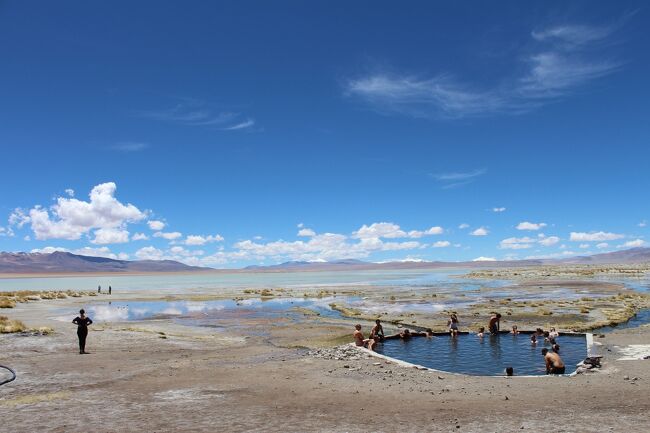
<point x="487" y="356"/>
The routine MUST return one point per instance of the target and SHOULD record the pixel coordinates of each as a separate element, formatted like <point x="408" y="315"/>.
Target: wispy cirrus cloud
<point x="456" y="179"/>
<point x="129" y="146"/>
<point x="562" y="61"/>
<point x="193" y="112"/>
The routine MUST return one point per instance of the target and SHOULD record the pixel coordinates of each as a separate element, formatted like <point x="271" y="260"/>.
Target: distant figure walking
<point x="452" y="323"/>
<point x="99" y="289"/>
<point x="110" y="289"/>
<point x="495" y="323"/>
<point x="554" y="364"/>
<point x="82" y="321"/>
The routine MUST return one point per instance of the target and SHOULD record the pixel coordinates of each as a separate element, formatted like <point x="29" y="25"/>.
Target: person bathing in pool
<point x="452" y="323"/>
<point x="360" y="341"/>
<point x="514" y="331"/>
<point x="481" y="332"/>
<point x="82" y="321"/>
<point x="495" y="323"/>
<point x="554" y="364"/>
<point x="405" y="334"/>
<point x="377" y="332"/>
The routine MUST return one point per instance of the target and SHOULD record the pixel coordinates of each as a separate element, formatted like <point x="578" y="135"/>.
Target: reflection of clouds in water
<point x="106" y="313"/>
<point x="249" y="302"/>
<point x="193" y="307"/>
<point x="139" y="312"/>
<point x="171" y="311"/>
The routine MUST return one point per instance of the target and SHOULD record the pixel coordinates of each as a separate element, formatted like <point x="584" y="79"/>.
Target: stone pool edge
<point x="590" y="352"/>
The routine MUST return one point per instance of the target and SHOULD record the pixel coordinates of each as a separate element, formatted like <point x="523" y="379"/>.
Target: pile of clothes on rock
<point x="588" y="364"/>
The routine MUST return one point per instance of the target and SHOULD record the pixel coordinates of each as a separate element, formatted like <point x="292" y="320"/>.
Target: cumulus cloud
<point x="71" y="218"/>
<point x="481" y="231"/>
<point x="463" y="226"/>
<point x="441" y="244"/>
<point x="110" y="236"/>
<point x="548" y="241"/>
<point x="602" y="245"/>
<point x="19" y="218"/>
<point x="636" y="243"/>
<point x="525" y="225"/>
<point x="140" y="237"/>
<point x="6" y="232"/>
<point x="156" y="225"/>
<point x="594" y="236"/>
<point x="498" y="209"/>
<point x="202" y="240"/>
<point x="306" y="232"/>
<point x="170" y="236"/>
<point x="392" y="231"/>
<point x="517" y="243"/>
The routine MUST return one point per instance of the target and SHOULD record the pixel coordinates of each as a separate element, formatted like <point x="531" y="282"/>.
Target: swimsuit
<point x="556" y="370"/>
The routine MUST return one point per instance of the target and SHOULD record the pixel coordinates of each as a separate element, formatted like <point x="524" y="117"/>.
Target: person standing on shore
<point x="99" y="289"/>
<point x="82" y="321"/>
<point x="110" y="290"/>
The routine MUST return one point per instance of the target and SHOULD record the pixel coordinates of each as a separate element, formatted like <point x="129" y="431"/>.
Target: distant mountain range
<point x="63" y="262"/>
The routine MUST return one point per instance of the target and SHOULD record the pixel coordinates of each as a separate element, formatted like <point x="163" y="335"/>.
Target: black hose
<point x="13" y="375"/>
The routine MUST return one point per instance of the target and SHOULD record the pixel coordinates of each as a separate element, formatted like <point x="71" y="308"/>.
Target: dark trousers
<point x="82" y="340"/>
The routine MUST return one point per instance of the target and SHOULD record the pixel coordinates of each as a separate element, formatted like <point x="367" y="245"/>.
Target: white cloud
<point x="517" y="243"/>
<point x="636" y="243"/>
<point x="456" y="179"/>
<point x="484" y="259"/>
<point x="392" y="231"/>
<point x="19" y="218"/>
<point x="548" y="241"/>
<point x="525" y="225"/>
<point x="70" y="192"/>
<point x="441" y="244"/>
<point x="561" y="60"/>
<point x="241" y="125"/>
<point x="602" y="245"/>
<point x="149" y="253"/>
<point x="156" y="225"/>
<point x="6" y="231"/>
<point x="202" y="240"/>
<point x="594" y="236"/>
<point x="110" y="236"/>
<point x="643" y="223"/>
<point x="498" y="209"/>
<point x="170" y="236"/>
<point x="70" y="218"/>
<point x="481" y="231"/>
<point x="584" y="246"/>
<point x="140" y="237"/>
<point x="463" y="226"/>
<point x="306" y="232"/>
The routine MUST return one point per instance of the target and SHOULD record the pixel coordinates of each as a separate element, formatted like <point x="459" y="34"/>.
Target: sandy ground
<point x="196" y="379"/>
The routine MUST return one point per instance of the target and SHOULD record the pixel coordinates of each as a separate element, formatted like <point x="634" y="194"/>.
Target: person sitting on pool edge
<point x="554" y="364"/>
<point x="377" y="332"/>
<point x="360" y="341"/>
<point x="481" y="332"/>
<point x="495" y="322"/>
<point x="514" y="331"/>
<point x="452" y="323"/>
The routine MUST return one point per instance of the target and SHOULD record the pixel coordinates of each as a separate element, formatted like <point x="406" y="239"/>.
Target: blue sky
<point x="236" y="133"/>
